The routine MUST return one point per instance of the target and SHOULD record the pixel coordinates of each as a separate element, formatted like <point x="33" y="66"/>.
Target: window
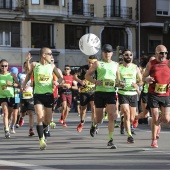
<point x="115" y="8"/>
<point x="63" y="3"/>
<point x="51" y="2"/>
<point x="5" y="4"/>
<point x="35" y="2"/>
<point x="42" y="35"/>
<point x="153" y="42"/>
<point x="162" y="7"/>
<point x="115" y="37"/>
<point x="73" y="34"/>
<point x="10" y="34"/>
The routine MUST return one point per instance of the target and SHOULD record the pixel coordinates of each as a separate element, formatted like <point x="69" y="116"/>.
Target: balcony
<point x="81" y="9"/>
<point x="16" y="5"/>
<point x="121" y="12"/>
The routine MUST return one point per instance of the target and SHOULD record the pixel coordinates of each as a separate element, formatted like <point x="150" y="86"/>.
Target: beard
<point x="161" y="59"/>
<point x="127" y="60"/>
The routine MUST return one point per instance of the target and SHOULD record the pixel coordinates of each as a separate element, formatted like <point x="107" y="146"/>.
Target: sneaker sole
<point x="154" y="146"/>
<point x="112" y="147"/>
<point x="43" y="147"/>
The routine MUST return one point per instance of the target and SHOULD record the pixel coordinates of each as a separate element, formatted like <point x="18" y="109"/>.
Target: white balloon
<point x="89" y="44"/>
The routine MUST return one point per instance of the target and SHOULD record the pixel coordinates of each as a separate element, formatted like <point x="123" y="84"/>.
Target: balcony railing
<point x="12" y="4"/>
<point x="122" y="12"/>
<point x="81" y="9"/>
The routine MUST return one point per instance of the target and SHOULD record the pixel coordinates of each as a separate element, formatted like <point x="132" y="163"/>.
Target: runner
<point x="7" y="84"/>
<point x="107" y="72"/>
<point x="15" y="111"/>
<point x="128" y="90"/>
<point x="66" y="94"/>
<point x="86" y="91"/>
<point x="43" y="91"/>
<point x="158" y="92"/>
<point x="27" y="101"/>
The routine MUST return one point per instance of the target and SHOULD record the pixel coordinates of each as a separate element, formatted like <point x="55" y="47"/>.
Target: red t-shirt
<point x="161" y="74"/>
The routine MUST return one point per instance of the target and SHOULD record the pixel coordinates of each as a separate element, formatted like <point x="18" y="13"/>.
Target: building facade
<point x="28" y="25"/>
<point x="152" y="21"/>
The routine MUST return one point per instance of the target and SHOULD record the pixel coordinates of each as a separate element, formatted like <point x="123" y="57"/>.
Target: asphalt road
<point x="68" y="149"/>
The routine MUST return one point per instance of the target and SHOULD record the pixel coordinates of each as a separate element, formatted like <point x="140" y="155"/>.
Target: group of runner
<point x="98" y="82"/>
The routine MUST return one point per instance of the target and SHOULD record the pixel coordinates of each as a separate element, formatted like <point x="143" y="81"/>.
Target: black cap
<point x="107" y="48"/>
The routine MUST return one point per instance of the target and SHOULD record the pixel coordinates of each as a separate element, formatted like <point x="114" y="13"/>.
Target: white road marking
<point x="23" y="165"/>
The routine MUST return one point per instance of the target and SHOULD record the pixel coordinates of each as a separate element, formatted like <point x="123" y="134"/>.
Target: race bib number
<point x="27" y="95"/>
<point x="108" y="83"/>
<point x="160" y="88"/>
<point x="42" y="78"/>
<point x="89" y="84"/>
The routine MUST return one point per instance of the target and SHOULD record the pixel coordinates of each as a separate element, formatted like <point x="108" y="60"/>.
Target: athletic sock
<point x="110" y="135"/>
<point x="40" y="131"/>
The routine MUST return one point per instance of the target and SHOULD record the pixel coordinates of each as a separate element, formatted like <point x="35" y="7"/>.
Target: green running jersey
<point x="43" y="79"/>
<point x="128" y="74"/>
<point x="107" y="73"/>
<point x="6" y="91"/>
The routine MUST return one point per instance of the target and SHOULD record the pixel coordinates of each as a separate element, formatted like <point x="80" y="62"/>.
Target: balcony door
<point x="77" y="7"/>
<point x="115" y="8"/>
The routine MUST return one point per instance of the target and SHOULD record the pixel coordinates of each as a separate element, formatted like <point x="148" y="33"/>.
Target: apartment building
<point x="153" y="15"/>
<point x="28" y="25"/>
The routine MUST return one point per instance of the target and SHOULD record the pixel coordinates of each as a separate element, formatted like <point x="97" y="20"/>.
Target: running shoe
<point x="154" y="143"/>
<point x="17" y="125"/>
<point x="12" y="131"/>
<point x="43" y="145"/>
<point x="116" y="125"/>
<point x="47" y="133"/>
<point x="64" y="124"/>
<point x="31" y="132"/>
<point x="130" y="139"/>
<point x="52" y="125"/>
<point x="111" y="145"/>
<point x="105" y="116"/>
<point x="61" y="121"/>
<point x="21" y="121"/>
<point x="135" y="123"/>
<point x="80" y="127"/>
<point x="122" y="130"/>
<point x="7" y="134"/>
<point x="133" y="130"/>
<point x="158" y="131"/>
<point x="93" y="130"/>
<point x="97" y="129"/>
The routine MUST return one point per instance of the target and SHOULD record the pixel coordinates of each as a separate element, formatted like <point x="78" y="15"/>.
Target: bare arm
<point x="28" y="58"/>
<point x="89" y="73"/>
<point x="145" y="78"/>
<point x="82" y="82"/>
<point x="28" y="76"/>
<point x="59" y="74"/>
<point x="139" y="75"/>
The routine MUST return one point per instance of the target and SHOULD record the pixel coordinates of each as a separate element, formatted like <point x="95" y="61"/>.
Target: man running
<point x="43" y="90"/>
<point x="128" y="91"/>
<point x="158" y="92"/>
<point x="86" y="91"/>
<point x="107" y="72"/>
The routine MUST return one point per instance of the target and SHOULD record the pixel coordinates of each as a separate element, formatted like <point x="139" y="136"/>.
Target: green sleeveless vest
<point x="43" y="79"/>
<point x="107" y="73"/>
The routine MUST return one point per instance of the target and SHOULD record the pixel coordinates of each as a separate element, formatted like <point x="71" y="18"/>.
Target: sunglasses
<point x="66" y="69"/>
<point x="163" y="53"/>
<point x="50" y="54"/>
<point x="4" y="65"/>
<point x="127" y="54"/>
